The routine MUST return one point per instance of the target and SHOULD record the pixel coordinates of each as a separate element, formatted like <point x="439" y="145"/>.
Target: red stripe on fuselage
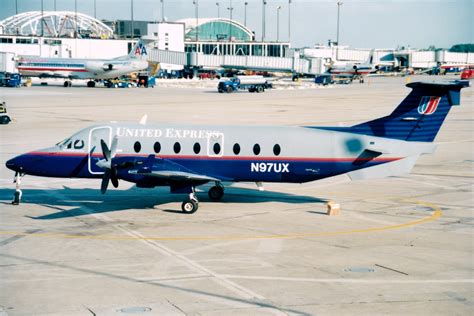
<point x="237" y="158"/>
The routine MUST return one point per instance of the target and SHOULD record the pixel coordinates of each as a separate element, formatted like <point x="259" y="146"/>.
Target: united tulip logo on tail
<point x="140" y="50"/>
<point x="428" y="105"/>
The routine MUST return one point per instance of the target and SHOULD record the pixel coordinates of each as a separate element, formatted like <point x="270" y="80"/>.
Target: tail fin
<point x="420" y="115"/>
<point x="139" y="51"/>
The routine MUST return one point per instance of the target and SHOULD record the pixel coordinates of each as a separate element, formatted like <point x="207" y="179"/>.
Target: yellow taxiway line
<point x="434" y="215"/>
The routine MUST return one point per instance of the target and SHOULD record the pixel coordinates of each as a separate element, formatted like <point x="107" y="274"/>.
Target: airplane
<point x="351" y="69"/>
<point x="183" y="157"/>
<point x="83" y="68"/>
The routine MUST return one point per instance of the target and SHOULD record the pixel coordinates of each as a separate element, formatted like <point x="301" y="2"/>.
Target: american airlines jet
<point x="82" y="68"/>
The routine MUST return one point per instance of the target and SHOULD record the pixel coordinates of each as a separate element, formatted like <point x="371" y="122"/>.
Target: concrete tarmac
<point x="401" y="246"/>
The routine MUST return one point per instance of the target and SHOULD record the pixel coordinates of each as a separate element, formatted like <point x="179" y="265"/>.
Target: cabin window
<point x="78" y="144"/>
<point x="217" y="148"/>
<point x="157" y="147"/>
<point x="137" y="147"/>
<point x="177" y="148"/>
<point x="276" y="149"/>
<point x="236" y="149"/>
<point x="197" y="148"/>
<point x="256" y="149"/>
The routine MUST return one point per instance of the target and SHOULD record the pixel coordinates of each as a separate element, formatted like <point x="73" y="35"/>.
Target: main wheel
<point x="66" y="84"/>
<point x="189" y="206"/>
<point x="216" y="193"/>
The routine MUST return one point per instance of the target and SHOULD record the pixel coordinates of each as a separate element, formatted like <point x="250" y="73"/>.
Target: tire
<point x="189" y="207"/>
<point x="129" y="85"/>
<point x="4" y="119"/>
<point x="229" y="89"/>
<point x="115" y="85"/>
<point x="216" y="193"/>
<point x="66" y="84"/>
<point x="259" y="89"/>
<point x="251" y="90"/>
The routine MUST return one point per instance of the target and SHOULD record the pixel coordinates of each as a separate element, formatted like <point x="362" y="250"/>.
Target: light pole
<point x="245" y="13"/>
<point x="95" y="9"/>
<point x="162" y="10"/>
<point x="196" y="11"/>
<point x="131" y="25"/>
<point x="16" y="6"/>
<point x="339" y="3"/>
<point x="263" y="19"/>
<point x="278" y="22"/>
<point x="218" y="10"/>
<point x="230" y="24"/>
<point x="42" y="19"/>
<point x="289" y="21"/>
<point x="75" y="19"/>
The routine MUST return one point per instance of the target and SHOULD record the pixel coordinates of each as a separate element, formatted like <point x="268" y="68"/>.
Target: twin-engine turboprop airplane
<point x="184" y="156"/>
<point x="83" y="68"/>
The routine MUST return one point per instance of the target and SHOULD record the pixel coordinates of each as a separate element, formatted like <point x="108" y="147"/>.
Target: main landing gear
<point x="91" y="84"/>
<point x="216" y="192"/>
<point x="18" y="193"/>
<point x="67" y="84"/>
<point x="192" y="204"/>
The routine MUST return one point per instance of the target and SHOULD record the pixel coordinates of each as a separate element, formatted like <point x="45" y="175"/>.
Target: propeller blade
<point x="105" y="150"/>
<point x="114" y="178"/>
<point x="105" y="181"/>
<point x="113" y="147"/>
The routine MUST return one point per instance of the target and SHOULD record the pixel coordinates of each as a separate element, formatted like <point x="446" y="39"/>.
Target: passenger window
<point x="217" y="148"/>
<point x="236" y="149"/>
<point x="276" y="150"/>
<point x="157" y="147"/>
<point x="137" y="147"/>
<point x="78" y="144"/>
<point x="256" y="149"/>
<point x="197" y="148"/>
<point x="177" y="148"/>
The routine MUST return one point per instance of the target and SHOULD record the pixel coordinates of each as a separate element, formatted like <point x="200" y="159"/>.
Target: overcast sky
<point x="363" y="23"/>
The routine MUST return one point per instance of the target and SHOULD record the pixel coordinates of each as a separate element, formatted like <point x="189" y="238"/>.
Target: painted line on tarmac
<point x="375" y="281"/>
<point x="434" y="215"/>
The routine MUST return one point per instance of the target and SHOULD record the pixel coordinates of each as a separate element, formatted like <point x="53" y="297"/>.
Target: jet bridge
<point x="304" y="66"/>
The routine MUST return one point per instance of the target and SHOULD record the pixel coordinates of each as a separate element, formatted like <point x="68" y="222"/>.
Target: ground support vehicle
<point x="251" y="83"/>
<point x="117" y="83"/>
<point x="4" y="117"/>
<point x="146" y="81"/>
<point x="10" y="80"/>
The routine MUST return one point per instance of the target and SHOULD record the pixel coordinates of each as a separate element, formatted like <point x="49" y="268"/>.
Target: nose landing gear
<point x="190" y="206"/>
<point x="18" y="193"/>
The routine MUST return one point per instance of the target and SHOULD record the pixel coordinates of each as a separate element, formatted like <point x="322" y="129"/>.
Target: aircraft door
<point x="95" y="149"/>
<point x="215" y="145"/>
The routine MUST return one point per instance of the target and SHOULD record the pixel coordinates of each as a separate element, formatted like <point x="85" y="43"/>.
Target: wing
<point x="164" y="169"/>
<point x="174" y="175"/>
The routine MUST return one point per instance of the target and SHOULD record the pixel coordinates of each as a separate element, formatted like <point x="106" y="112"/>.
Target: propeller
<point x="110" y="173"/>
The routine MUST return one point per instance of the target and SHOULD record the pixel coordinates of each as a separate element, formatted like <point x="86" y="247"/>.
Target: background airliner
<point x="185" y="156"/>
<point x="81" y="68"/>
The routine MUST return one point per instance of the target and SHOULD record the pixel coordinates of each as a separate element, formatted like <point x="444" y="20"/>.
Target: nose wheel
<point x="18" y="193"/>
<point x="216" y="192"/>
<point x="190" y="206"/>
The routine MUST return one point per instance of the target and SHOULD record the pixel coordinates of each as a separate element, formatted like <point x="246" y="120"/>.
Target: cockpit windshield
<point x="65" y="143"/>
<point x="73" y="142"/>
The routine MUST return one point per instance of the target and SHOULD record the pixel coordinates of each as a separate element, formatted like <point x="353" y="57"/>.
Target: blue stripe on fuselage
<point x="265" y="169"/>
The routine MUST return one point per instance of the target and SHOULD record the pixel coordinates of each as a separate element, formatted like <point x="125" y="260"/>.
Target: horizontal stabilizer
<point x="396" y="168"/>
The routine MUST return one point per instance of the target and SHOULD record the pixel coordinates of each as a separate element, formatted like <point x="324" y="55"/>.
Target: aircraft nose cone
<point x="13" y="164"/>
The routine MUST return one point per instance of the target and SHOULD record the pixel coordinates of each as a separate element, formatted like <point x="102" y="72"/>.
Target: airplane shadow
<point x="86" y="201"/>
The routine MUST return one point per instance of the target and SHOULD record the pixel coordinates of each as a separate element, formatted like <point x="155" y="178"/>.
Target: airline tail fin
<point x="420" y="115"/>
<point x="139" y="50"/>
